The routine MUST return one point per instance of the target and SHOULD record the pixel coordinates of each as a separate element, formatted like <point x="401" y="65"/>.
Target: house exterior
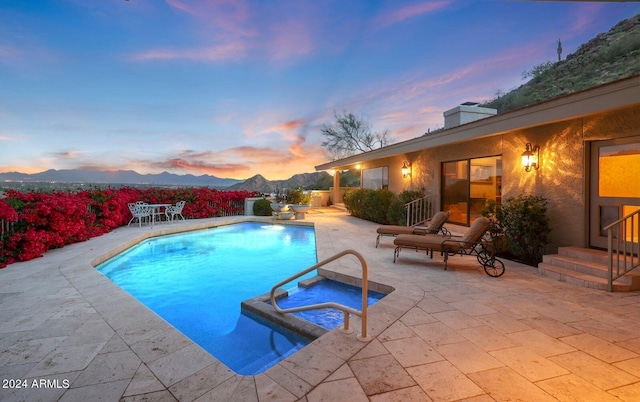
<point x="587" y="146"/>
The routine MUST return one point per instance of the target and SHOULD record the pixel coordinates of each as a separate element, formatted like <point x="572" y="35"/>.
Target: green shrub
<point x="523" y="220"/>
<point x="381" y="205"/>
<point x="262" y="208"/>
<point x="298" y="196"/>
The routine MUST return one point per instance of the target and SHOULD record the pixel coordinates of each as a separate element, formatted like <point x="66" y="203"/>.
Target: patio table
<point x="154" y="208"/>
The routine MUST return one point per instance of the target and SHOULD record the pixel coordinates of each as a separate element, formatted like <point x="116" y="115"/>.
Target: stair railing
<point x="420" y="210"/>
<point x="345" y="309"/>
<point x="623" y="246"/>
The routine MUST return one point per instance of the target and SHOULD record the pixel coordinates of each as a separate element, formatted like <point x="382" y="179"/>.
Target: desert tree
<point x="351" y="135"/>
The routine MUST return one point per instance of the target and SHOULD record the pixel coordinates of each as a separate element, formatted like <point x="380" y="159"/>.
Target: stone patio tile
<point x="553" y="328"/>
<point x="417" y="316"/>
<point x="503" y="323"/>
<point x="573" y="388"/>
<point x="432" y="305"/>
<point x="245" y="391"/>
<point x="467" y="357"/>
<point x="269" y="390"/>
<point x="560" y="314"/>
<point x="31" y="351"/>
<point x="473" y="307"/>
<point x="340" y="374"/>
<point x="456" y="319"/>
<point x="289" y="380"/>
<point x="504" y="384"/>
<point x="222" y="392"/>
<point x="487" y="338"/>
<point x="180" y="364"/>
<point x="64" y="359"/>
<point x="631" y="344"/>
<point x="158" y="396"/>
<point x="109" y="367"/>
<point x="380" y="374"/>
<point x="143" y="382"/>
<point x="146" y="326"/>
<point x="397" y="330"/>
<point x="613" y="332"/>
<point x="312" y="363"/>
<point x="374" y="348"/>
<point x="437" y="333"/>
<point x="412" y="351"/>
<point x="92" y="330"/>
<point x="160" y="344"/>
<point x="410" y="394"/>
<point x="599" y="348"/>
<point x="629" y="393"/>
<point x="631" y="366"/>
<point x="342" y="345"/>
<point x="541" y="343"/>
<point x="530" y="365"/>
<point x="110" y="391"/>
<point x="201" y="382"/>
<point x="340" y="390"/>
<point x="20" y="321"/>
<point x="603" y="375"/>
<point x="441" y="381"/>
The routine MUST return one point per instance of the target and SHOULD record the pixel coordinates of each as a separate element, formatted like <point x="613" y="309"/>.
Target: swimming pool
<point x="196" y="281"/>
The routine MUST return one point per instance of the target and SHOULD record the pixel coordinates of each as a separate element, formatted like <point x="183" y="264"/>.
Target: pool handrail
<point x="345" y="309"/>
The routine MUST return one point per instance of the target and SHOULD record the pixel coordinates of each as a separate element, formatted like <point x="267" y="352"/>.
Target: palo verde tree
<point x="352" y="135"/>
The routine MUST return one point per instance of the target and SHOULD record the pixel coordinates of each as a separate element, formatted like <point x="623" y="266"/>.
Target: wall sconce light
<point x="531" y="157"/>
<point x="358" y="166"/>
<point x="406" y="169"/>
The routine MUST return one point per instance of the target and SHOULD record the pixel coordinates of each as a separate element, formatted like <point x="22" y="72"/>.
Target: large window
<point x="375" y="178"/>
<point x="467" y="184"/>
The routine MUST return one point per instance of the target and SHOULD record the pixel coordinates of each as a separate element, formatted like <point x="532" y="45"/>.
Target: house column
<point x="335" y="194"/>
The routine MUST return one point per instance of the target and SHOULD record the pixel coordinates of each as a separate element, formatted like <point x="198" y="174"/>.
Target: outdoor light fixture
<point x="406" y="169"/>
<point x="530" y="157"/>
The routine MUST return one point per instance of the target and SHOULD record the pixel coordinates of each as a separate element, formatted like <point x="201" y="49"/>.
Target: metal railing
<point x="420" y="210"/>
<point x="345" y="309"/>
<point x="5" y="227"/>
<point x="623" y="246"/>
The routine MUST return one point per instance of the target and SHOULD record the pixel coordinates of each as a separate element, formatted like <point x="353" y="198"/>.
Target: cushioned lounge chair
<point x="471" y="243"/>
<point x="431" y="226"/>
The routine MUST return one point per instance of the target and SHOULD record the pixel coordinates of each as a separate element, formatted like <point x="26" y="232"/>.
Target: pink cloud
<point x="410" y="11"/>
<point x="226" y="51"/>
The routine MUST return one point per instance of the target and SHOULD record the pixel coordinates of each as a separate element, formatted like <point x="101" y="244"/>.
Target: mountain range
<point x="130" y="177"/>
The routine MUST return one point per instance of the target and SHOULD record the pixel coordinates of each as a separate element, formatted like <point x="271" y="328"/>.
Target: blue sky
<point x="237" y="88"/>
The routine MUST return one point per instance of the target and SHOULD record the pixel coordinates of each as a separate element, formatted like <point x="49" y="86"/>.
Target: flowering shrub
<point x="43" y="221"/>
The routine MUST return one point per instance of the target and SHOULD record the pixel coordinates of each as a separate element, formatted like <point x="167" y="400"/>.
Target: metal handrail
<point x="626" y="253"/>
<point x="345" y="309"/>
<point x="420" y="210"/>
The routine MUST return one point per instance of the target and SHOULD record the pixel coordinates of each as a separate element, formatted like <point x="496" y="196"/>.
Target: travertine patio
<point x="441" y="335"/>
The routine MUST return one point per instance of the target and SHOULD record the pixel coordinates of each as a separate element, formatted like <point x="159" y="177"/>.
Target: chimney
<point x="466" y="113"/>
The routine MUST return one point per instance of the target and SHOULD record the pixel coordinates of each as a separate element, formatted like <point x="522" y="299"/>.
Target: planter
<point x="300" y="210"/>
<point x="283" y="215"/>
<point x="279" y="207"/>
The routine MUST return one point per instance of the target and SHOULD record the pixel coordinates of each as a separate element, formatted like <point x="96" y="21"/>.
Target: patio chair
<point x="472" y="243"/>
<point x="139" y="210"/>
<point x="174" y="210"/>
<point x="433" y="226"/>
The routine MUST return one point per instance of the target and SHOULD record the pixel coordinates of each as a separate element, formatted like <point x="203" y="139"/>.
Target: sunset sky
<point x="237" y="88"/>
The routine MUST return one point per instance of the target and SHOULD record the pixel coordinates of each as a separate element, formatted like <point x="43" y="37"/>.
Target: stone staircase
<point x="585" y="267"/>
<point x="340" y="206"/>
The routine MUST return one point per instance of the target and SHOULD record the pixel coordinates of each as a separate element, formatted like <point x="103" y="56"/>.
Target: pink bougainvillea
<point x="42" y="221"/>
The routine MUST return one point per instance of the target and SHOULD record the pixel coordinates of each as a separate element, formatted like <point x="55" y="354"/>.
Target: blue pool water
<point x="327" y="291"/>
<point x="197" y="280"/>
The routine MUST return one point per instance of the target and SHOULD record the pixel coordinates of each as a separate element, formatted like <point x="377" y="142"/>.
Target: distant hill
<point x="606" y="58"/>
<point x="304" y="180"/>
<point x="119" y="177"/>
<point x="130" y="177"/>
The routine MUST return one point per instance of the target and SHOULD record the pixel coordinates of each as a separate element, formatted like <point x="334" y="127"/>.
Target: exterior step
<point x="585" y="267"/>
<point x="340" y="206"/>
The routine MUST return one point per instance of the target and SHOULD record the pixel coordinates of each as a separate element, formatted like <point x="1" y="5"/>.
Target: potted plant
<point x="299" y="202"/>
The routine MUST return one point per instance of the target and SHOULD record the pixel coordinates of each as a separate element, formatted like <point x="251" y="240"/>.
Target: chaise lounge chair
<point x="471" y="243"/>
<point x="433" y="226"/>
